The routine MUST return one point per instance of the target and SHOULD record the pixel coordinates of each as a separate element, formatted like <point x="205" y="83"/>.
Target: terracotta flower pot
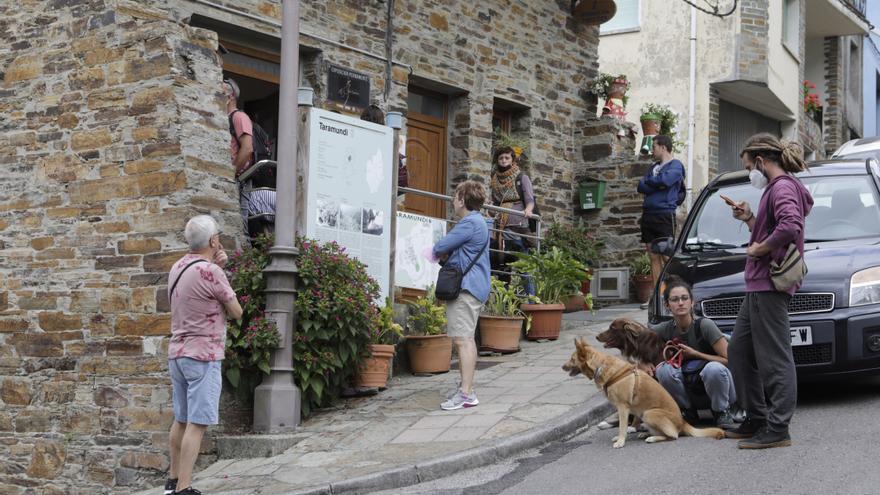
<point x="373" y="371"/>
<point x="650" y="125"/>
<point x="546" y="320"/>
<point x="500" y="333"/>
<point x="575" y="302"/>
<point x="585" y="284"/>
<point x="429" y="353"/>
<point x="644" y="285"/>
<point x="617" y="88"/>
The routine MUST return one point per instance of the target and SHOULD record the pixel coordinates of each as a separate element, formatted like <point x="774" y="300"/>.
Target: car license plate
<point x="801" y="336"/>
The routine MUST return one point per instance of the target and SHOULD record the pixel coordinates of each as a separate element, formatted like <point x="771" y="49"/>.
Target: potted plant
<point x="501" y="320"/>
<point x="613" y="90"/>
<point x="812" y="104"/>
<point x="641" y="276"/>
<point x="553" y="272"/>
<point x="660" y="119"/>
<point x="578" y="242"/>
<point x="373" y="371"/>
<point x="428" y="347"/>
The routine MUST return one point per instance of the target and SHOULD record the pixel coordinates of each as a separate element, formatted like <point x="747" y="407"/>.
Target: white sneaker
<point x="460" y="400"/>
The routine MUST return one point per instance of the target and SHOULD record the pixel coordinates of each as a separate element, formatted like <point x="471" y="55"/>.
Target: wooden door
<point x="426" y="163"/>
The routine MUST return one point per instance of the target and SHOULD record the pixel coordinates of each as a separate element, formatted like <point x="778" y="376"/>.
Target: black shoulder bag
<point x="690" y="370"/>
<point x="174" y="285"/>
<point x="450" y="277"/>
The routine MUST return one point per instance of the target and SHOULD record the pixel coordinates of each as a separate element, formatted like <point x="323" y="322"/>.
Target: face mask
<point x="757" y="178"/>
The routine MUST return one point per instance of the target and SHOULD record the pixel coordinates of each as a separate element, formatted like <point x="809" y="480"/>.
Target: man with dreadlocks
<point x="760" y="347"/>
<point x="511" y="188"/>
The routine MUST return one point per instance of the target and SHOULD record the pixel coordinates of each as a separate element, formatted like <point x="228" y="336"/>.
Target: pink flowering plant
<point x="335" y="314"/>
<point x="251" y="339"/>
<point x="811" y="99"/>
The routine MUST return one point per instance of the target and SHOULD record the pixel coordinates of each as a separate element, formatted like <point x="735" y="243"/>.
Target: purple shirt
<point x="528" y="196"/>
<point x="791" y="203"/>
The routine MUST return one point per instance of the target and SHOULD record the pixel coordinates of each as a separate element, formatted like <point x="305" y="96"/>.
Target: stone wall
<point x="112" y="134"/>
<point x="607" y="153"/>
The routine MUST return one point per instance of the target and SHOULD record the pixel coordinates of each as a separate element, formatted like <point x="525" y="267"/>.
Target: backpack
<point x="533" y="224"/>
<point x="262" y="141"/>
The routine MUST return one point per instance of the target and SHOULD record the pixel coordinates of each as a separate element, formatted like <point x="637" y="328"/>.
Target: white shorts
<point x="461" y="315"/>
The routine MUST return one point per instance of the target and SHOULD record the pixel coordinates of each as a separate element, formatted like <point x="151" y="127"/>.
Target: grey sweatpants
<point x="761" y="361"/>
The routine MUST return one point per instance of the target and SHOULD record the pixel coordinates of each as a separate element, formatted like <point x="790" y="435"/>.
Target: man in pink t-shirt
<point x="241" y="129"/>
<point x="201" y="299"/>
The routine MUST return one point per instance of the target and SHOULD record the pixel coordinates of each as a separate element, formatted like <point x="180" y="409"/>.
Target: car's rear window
<point x="844" y="207"/>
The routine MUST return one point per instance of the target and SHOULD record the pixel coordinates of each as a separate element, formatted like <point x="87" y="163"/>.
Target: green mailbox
<point x="591" y="194"/>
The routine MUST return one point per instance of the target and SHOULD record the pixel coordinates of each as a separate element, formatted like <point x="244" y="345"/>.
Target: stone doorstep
<point x="253" y="446"/>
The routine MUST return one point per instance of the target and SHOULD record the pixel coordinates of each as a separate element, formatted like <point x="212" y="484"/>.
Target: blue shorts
<point x="196" y="390"/>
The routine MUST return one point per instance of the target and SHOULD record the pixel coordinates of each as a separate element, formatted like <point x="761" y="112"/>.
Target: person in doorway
<point x="760" y="349"/>
<point x="241" y="129"/>
<point x="201" y="300"/>
<point x="703" y="349"/>
<point x="662" y="186"/>
<point x="467" y="241"/>
<point x="511" y="188"/>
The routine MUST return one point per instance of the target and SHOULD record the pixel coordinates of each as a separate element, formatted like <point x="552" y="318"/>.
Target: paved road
<point x="836" y="435"/>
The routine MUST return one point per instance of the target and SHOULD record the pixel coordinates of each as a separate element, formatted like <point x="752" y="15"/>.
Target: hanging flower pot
<point x="650" y="124"/>
<point x="618" y="88"/>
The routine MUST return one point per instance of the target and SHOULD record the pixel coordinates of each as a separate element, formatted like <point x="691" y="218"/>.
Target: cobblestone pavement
<point x="403" y="426"/>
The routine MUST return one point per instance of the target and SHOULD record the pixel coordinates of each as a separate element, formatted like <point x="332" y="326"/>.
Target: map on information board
<point x="416" y="235"/>
<point x="349" y="189"/>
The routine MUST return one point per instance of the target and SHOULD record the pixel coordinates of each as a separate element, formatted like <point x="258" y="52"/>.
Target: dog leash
<point x="672" y="353"/>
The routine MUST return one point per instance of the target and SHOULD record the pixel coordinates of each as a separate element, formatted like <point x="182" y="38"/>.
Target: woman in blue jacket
<point x="468" y="240"/>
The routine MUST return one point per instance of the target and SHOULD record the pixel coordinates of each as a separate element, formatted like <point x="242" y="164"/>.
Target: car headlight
<point x="864" y="287"/>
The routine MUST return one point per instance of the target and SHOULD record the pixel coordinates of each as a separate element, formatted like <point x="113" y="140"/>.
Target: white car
<point x="859" y="148"/>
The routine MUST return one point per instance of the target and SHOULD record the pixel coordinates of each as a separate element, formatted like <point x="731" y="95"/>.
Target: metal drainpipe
<point x="691" y="108"/>
<point x="389" y="40"/>
<point x="272" y="22"/>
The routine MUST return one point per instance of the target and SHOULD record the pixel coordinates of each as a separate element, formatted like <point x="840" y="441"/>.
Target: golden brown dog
<point x="633" y="391"/>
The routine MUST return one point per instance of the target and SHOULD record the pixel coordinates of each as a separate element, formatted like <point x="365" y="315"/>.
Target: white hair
<point x="236" y="92"/>
<point x="199" y="231"/>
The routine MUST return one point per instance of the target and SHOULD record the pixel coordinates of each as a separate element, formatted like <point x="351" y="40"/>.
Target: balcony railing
<point x="859" y="6"/>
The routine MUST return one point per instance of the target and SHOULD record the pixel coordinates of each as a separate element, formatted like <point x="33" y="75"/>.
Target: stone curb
<point x="587" y="413"/>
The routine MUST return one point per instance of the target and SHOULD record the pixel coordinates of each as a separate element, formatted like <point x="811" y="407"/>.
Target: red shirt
<point x="242" y="125"/>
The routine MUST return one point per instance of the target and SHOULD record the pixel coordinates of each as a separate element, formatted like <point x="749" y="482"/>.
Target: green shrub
<point x="335" y="314"/>
<point x="575" y="240"/>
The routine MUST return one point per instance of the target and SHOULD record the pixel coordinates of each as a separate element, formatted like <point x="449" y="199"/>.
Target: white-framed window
<point x="627" y="18"/>
<point x="791" y="22"/>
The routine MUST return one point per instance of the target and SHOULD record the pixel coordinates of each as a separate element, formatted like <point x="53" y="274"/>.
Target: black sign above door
<point x="347" y="87"/>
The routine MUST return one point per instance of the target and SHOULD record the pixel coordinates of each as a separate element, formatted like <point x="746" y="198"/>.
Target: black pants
<point x="761" y="361"/>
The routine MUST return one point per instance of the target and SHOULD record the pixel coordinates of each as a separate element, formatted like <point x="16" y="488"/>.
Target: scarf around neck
<point x="503" y="184"/>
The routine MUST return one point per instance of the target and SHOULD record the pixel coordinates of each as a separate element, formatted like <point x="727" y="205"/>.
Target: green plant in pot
<point x="502" y="319"/>
<point x="640" y="268"/>
<point x="373" y="371"/>
<point x="428" y="346"/>
<point x="581" y="244"/>
<point x="554" y="273"/>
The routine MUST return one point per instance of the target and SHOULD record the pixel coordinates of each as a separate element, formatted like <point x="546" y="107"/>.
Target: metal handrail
<point x="500" y="209"/>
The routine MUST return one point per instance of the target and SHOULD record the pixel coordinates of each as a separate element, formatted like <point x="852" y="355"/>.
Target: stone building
<point x="113" y="134"/>
<point x="748" y="72"/>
